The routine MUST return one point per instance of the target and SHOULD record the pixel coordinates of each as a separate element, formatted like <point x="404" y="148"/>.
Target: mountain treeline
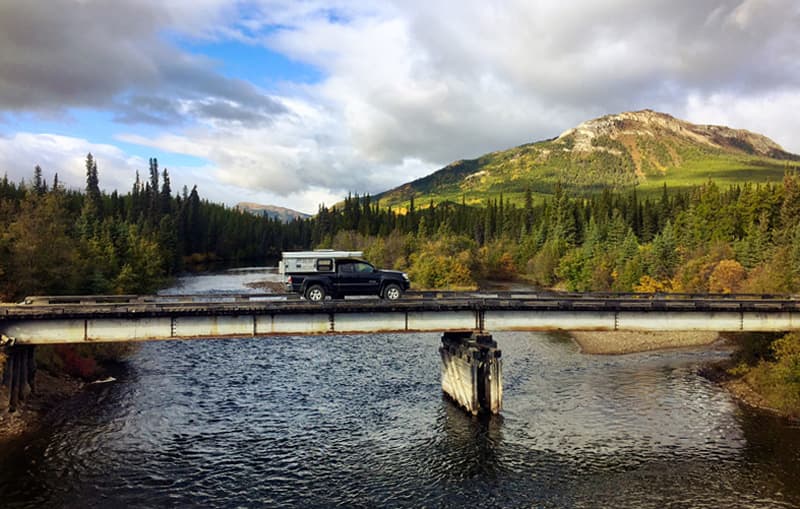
<point x="59" y="241"/>
<point x="745" y="238"/>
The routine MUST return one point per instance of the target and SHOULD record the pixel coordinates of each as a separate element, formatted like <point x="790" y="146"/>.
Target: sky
<point x="298" y="102"/>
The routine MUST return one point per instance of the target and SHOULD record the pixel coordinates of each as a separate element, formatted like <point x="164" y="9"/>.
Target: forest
<point x="741" y="239"/>
<point x="59" y="241"/>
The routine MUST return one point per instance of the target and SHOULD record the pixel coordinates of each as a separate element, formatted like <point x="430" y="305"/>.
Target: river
<point x="360" y="421"/>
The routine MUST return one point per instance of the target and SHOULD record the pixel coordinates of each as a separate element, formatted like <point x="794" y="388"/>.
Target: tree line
<point x="745" y="238"/>
<point x="55" y="240"/>
<point x="705" y="239"/>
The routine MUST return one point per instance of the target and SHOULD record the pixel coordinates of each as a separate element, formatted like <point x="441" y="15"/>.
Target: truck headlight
<point x="405" y="276"/>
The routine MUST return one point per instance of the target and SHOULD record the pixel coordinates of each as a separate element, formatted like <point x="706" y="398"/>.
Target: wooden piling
<point x="14" y="380"/>
<point x="31" y="350"/>
<point x="5" y="383"/>
<point x="24" y="374"/>
<point x="19" y="375"/>
<point x="472" y="371"/>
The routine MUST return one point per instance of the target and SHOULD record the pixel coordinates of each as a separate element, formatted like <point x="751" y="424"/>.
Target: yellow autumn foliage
<point x="727" y="277"/>
<point x="649" y="284"/>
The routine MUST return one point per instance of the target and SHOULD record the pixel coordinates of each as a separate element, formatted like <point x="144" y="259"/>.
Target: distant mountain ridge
<point x="642" y="149"/>
<point x="272" y="211"/>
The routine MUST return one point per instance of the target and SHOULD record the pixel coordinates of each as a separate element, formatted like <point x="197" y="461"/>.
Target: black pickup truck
<point x="347" y="276"/>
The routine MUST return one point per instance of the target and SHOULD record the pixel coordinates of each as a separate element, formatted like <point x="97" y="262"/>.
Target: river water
<point x="360" y="421"/>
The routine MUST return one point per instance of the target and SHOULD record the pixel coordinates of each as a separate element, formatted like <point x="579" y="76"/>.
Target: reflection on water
<point x="359" y="421"/>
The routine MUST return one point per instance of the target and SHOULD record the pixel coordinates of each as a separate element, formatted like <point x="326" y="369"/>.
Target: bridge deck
<point x="40" y="320"/>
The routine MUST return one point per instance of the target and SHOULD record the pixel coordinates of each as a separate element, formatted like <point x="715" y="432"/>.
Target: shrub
<point x="726" y="277"/>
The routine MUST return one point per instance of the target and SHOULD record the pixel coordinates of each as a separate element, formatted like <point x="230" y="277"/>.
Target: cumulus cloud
<point x="112" y="54"/>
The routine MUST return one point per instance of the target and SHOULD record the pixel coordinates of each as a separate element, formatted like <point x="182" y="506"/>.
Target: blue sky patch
<point x="257" y="64"/>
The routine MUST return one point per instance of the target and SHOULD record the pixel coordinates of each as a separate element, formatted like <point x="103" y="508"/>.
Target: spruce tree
<point x="39" y="186"/>
<point x="166" y="194"/>
<point x="92" y="202"/>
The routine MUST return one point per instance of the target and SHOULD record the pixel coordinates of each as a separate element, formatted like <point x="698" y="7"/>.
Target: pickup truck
<point x="326" y="274"/>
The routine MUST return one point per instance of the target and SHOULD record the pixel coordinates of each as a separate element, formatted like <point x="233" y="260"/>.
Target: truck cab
<point x="318" y="274"/>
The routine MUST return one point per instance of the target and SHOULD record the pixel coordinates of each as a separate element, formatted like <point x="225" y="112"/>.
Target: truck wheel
<point x="392" y="292"/>
<point x="315" y="293"/>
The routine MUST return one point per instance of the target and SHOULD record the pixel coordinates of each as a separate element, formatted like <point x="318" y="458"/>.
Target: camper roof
<point x="322" y="253"/>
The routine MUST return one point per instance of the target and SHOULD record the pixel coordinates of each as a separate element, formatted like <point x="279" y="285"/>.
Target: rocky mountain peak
<point x="648" y="123"/>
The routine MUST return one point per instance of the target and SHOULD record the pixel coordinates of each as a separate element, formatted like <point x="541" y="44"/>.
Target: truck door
<point x="367" y="278"/>
<point x="346" y="283"/>
<point x="357" y="278"/>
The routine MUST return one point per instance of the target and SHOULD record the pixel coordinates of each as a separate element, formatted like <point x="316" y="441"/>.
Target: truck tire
<point x="392" y="292"/>
<point x="315" y="293"/>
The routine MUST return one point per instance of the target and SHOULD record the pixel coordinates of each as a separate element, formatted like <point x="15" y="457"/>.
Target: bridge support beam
<point x="472" y="371"/>
<point x="18" y="376"/>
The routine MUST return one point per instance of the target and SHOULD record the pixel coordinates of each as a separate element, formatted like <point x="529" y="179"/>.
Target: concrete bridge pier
<point x="472" y="371"/>
<point x="18" y="376"/>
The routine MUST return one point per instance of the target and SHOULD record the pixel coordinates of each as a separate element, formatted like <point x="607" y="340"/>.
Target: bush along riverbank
<point x="764" y="372"/>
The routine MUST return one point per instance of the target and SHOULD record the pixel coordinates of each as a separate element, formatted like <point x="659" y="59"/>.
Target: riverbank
<point x="49" y="391"/>
<point x="737" y="386"/>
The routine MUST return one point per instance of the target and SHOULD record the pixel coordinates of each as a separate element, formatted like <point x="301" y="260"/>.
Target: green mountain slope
<point x="643" y="149"/>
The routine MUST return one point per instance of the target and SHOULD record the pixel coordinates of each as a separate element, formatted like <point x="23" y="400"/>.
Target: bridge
<point x="79" y="319"/>
<point x="471" y="365"/>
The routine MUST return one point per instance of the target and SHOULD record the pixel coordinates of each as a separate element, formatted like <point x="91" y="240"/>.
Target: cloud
<point x="67" y="156"/>
<point x="438" y="83"/>
<point x="112" y="54"/>
<point x="299" y="153"/>
<point x="772" y="114"/>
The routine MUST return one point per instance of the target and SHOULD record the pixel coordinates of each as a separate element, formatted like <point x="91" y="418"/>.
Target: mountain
<point x="644" y="149"/>
<point x="272" y="211"/>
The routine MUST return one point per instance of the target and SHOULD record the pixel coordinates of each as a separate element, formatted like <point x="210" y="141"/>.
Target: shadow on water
<point x="470" y="444"/>
<point x="773" y="449"/>
<point x="51" y="465"/>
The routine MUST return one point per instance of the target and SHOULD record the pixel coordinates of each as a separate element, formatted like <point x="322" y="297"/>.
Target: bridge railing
<point x="82" y="300"/>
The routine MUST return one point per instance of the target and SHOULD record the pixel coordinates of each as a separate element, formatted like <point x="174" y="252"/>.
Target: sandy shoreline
<point x="622" y="342"/>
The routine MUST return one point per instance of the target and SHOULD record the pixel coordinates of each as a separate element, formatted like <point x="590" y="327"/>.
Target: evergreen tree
<point x="151" y="191"/>
<point x="528" y="211"/>
<point x="93" y="203"/>
<point x="166" y="194"/>
<point x="39" y="185"/>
